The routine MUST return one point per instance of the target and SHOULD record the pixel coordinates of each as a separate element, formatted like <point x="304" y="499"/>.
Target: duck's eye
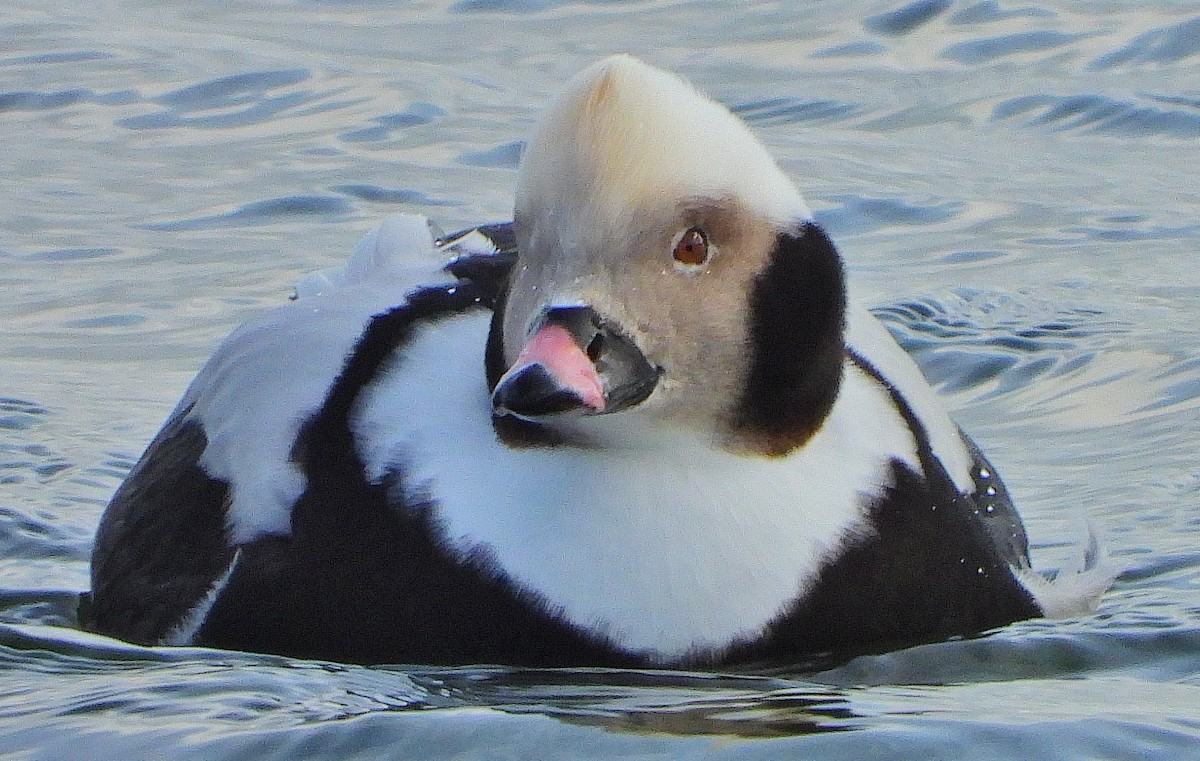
<point x="692" y="249"/>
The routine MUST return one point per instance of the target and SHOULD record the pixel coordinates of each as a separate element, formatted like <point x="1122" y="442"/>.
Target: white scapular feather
<point x="271" y="374"/>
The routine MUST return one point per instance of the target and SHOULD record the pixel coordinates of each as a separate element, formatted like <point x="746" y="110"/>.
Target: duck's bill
<point x="574" y="363"/>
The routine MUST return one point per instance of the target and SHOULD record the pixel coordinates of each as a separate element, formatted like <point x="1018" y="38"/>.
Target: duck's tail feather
<point x="1075" y="592"/>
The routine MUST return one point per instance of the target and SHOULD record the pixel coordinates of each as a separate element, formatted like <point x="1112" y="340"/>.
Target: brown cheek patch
<point x="770" y="443"/>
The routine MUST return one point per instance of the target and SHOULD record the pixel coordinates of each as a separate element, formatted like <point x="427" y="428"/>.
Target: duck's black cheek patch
<point x="797" y="320"/>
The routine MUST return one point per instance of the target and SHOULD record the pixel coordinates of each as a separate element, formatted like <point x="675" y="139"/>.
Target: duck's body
<point x="602" y="456"/>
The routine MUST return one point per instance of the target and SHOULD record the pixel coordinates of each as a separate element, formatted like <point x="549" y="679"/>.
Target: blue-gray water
<point x="1014" y="184"/>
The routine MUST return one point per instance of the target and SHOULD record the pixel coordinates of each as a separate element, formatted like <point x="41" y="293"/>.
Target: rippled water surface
<point x="1013" y="184"/>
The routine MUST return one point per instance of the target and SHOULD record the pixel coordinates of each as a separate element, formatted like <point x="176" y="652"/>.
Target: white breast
<point x="666" y="543"/>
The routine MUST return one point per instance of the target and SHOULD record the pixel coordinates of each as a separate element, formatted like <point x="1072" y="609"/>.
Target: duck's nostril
<point x="595" y="347"/>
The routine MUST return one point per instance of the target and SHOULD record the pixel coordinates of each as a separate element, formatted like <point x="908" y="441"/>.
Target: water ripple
<point x="261" y="213"/>
<point x="124" y="320"/>
<point x="264" y="707"/>
<point x="19" y="415"/>
<point x="391" y="195"/>
<point x="1103" y="114"/>
<point x="904" y="20"/>
<point x="72" y="254"/>
<point x="795" y="110"/>
<point x="32" y="537"/>
<point x="66" y="56"/>
<point x="1168" y="44"/>
<point x="31" y="100"/>
<point x="507" y="155"/>
<point x="234" y="690"/>
<point x="1181" y="385"/>
<point x="992" y="48"/>
<point x="980" y="339"/>
<point x="858" y="214"/>
<point x="850" y="50"/>
<point x="504" y="6"/>
<point x="42" y="101"/>
<point x="1124" y="229"/>
<point x="990" y="10"/>
<point x="416" y="114"/>
<point x="233" y="90"/>
<point x="237" y="100"/>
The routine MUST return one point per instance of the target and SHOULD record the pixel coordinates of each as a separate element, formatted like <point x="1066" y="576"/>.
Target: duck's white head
<point x="650" y="223"/>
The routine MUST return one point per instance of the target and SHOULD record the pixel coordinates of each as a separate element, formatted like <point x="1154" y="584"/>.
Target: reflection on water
<point x="78" y="681"/>
<point x="657" y="702"/>
<point x="1012" y="185"/>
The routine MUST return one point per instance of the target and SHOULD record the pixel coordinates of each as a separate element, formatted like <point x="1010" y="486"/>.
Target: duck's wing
<point x="161" y="548"/>
<point x="220" y="473"/>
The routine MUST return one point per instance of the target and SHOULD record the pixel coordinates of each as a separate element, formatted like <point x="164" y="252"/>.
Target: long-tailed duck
<point x="642" y="425"/>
